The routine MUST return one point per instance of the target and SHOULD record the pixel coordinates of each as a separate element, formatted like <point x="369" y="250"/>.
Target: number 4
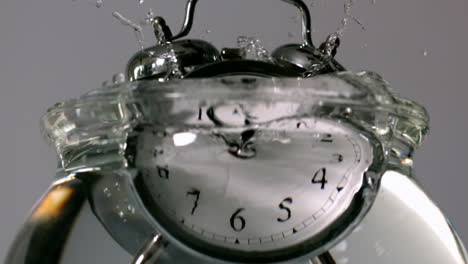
<point x="320" y="178"/>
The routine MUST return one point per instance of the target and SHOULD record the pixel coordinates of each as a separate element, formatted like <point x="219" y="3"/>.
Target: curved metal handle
<point x="43" y="237"/>
<point x="306" y="21"/>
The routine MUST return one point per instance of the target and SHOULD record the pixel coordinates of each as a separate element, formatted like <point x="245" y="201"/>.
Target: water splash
<point x="148" y="19"/>
<point x="136" y="28"/>
<point x="253" y="48"/>
<point x="348" y="4"/>
<point x="363" y="28"/>
<point x="99" y="3"/>
<point x="331" y="42"/>
<point x="171" y="56"/>
<point x="329" y="47"/>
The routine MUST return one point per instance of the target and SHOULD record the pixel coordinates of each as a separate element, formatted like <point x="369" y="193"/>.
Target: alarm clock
<point x="211" y="157"/>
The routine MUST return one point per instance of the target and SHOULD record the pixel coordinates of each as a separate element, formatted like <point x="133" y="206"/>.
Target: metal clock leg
<point x="150" y="251"/>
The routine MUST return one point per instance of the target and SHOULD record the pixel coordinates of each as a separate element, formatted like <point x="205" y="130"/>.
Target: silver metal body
<point x="404" y="226"/>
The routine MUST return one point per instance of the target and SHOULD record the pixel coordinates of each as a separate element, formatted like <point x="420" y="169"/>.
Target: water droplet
<point x="425" y="53"/>
<point x="141" y="2"/>
<point x="364" y="46"/>
<point x="107" y="192"/>
<point x="118" y="78"/>
<point x="131" y="209"/>
<point x="347" y="112"/>
<point x="99" y="3"/>
<point x="117" y="186"/>
<point x="314" y="69"/>
<point x="148" y="19"/>
<point x="205" y="33"/>
<point x="136" y="28"/>
<point x="359" y="23"/>
<point x="253" y="48"/>
<point x="379" y="248"/>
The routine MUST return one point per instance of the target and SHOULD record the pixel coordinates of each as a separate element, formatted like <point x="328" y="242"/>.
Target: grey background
<point x="55" y="49"/>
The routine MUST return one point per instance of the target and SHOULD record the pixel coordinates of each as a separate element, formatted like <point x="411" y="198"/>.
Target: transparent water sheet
<point x="91" y="131"/>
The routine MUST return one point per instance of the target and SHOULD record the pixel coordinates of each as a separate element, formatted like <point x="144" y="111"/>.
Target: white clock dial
<point x="245" y="191"/>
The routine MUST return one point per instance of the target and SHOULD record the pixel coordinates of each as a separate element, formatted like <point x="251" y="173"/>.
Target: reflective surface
<point x="403" y="226"/>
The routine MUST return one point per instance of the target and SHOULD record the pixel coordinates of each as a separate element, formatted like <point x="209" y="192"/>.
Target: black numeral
<point x="300" y="124"/>
<point x="327" y="139"/>
<point x="320" y="177"/>
<point x="283" y="207"/>
<point x="196" y="193"/>
<point x="337" y="157"/>
<point x="163" y="172"/>
<point x="237" y="221"/>
<point x="199" y="113"/>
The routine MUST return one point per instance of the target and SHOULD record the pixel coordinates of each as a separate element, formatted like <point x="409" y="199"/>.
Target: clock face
<point x="257" y="193"/>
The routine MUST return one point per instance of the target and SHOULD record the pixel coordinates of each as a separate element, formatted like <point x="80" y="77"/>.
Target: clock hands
<point x="243" y="147"/>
